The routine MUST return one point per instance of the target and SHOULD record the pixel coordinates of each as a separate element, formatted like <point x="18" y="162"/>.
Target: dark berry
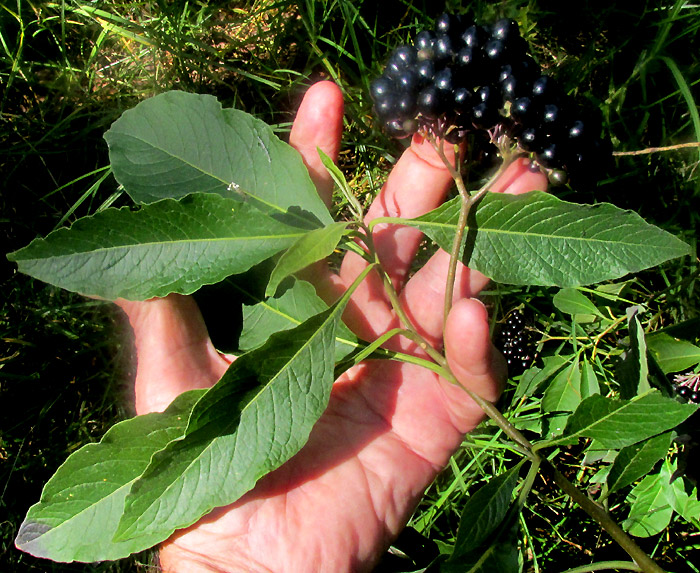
<point x="684" y="392"/>
<point x="695" y="398"/>
<point x="404" y="56"/>
<point x="524" y="111"/>
<point x="557" y="177"/>
<point x="425" y="45"/>
<point x="425" y="71"/>
<point x="469" y="65"/>
<point x="443" y="80"/>
<point x="495" y="51"/>
<point x="386" y="106"/>
<point x="505" y="29"/>
<point x="443" y="49"/>
<point x="445" y="23"/>
<point x="486" y="94"/>
<point x="485" y="115"/>
<point x="429" y="103"/>
<point x="554" y="119"/>
<point x="475" y="36"/>
<point x="407" y="82"/>
<point x="531" y="139"/>
<point x="381" y="87"/>
<point x="510" y="88"/>
<point x="544" y="88"/>
<point x="550" y="156"/>
<point x="463" y="99"/>
<point x="405" y="106"/>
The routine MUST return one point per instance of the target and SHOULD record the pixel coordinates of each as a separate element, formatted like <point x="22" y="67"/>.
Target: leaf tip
<point x="29" y="538"/>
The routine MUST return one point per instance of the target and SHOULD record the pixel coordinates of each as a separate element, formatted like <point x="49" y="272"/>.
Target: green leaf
<point x="535" y="377"/>
<point x="538" y="239"/>
<point x="81" y="505"/>
<point x="572" y="301"/>
<point x="309" y="248"/>
<point x="589" y="381"/>
<point x="619" y="423"/>
<point x="685" y="504"/>
<point x="562" y="397"/>
<point x="289" y="309"/>
<point x="339" y="179"/>
<point x="650" y="511"/>
<point x="633" y="370"/>
<point x="178" y="143"/>
<point x="672" y="354"/>
<point x="168" y="246"/>
<point x="256" y="417"/>
<point x="637" y="460"/>
<point x="484" y="512"/>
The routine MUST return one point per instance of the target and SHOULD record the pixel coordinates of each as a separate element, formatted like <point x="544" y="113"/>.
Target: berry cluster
<point x="463" y="78"/>
<point x="516" y="344"/>
<point x="687" y="386"/>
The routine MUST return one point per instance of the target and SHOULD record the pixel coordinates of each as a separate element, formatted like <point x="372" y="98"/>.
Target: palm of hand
<point x="389" y="427"/>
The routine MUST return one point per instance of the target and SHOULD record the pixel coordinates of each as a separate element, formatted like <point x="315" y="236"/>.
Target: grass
<point x="68" y="69"/>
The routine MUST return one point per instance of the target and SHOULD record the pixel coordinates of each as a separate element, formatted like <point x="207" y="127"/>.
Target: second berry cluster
<point x="461" y="78"/>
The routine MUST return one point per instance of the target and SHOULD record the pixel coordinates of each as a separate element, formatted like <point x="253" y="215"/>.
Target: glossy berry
<point x="515" y="342"/>
<point x="429" y="103"/>
<point x="505" y="30"/>
<point x="444" y="51"/>
<point x="425" y="45"/>
<point x="381" y="87"/>
<point x="461" y="78"/>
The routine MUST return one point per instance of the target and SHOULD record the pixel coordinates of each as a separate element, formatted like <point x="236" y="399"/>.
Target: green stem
<point x="602" y="517"/>
<point x="411" y="331"/>
<point x="605" y="566"/>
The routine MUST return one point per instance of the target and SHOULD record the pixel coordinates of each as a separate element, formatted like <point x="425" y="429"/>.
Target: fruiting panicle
<point x="462" y="78"/>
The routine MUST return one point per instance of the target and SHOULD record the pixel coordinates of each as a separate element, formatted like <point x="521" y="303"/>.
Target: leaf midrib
<point x="254" y="399"/>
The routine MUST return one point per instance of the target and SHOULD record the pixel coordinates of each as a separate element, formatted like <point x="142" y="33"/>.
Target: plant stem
<point x="468" y="201"/>
<point x="599" y="514"/>
<point x="602" y="517"/>
<point x="411" y="332"/>
<point x="605" y="566"/>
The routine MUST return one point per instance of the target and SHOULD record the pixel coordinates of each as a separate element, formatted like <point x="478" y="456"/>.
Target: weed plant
<point x="68" y="69"/>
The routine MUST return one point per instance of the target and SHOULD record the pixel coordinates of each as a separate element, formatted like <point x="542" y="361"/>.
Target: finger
<point x="424" y="295"/>
<point x="417" y="184"/>
<point x="520" y="177"/>
<point x="423" y="299"/>
<point x="319" y="124"/>
<point x="470" y="354"/>
<point x="173" y="350"/>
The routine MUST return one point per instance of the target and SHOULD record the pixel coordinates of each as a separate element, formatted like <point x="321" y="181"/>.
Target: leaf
<point x="650" y="511"/>
<point x="589" y="381"/>
<point x="339" y="179"/>
<point x="178" y="143"/>
<point x="309" y="248"/>
<point x="637" y="460"/>
<point x="633" y="369"/>
<point x="256" y="417"/>
<point x="572" y="301"/>
<point x="684" y="504"/>
<point x="81" y="505"/>
<point x="562" y="395"/>
<point x="484" y="512"/>
<point x="289" y="309"/>
<point x="672" y="354"/>
<point x="538" y="239"/>
<point x="533" y="378"/>
<point x="168" y="246"/>
<point x="619" y="423"/>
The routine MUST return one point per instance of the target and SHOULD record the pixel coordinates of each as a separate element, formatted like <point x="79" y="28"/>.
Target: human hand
<point x="389" y="427"/>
